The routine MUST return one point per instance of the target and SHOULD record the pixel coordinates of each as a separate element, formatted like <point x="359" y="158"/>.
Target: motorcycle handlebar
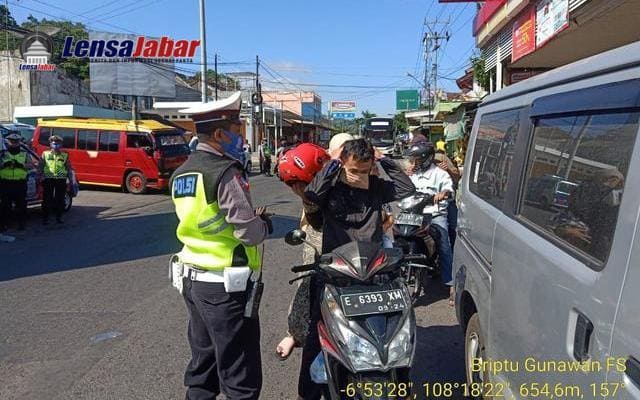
<point x="414" y="257"/>
<point x="303" y="268"/>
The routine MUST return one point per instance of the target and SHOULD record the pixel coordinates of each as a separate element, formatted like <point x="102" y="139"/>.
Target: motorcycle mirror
<point x="295" y="237"/>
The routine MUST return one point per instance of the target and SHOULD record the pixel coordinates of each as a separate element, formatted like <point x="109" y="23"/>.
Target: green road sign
<point x="407" y="100"/>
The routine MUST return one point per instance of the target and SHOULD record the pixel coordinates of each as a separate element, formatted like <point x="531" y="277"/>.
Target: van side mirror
<point x="148" y="150"/>
<point x="295" y="237"/>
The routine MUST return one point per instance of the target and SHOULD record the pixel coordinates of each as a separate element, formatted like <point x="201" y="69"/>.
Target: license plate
<point x="373" y="303"/>
<point x="409" y="219"/>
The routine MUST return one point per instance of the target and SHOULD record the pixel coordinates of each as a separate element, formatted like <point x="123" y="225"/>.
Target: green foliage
<point x="225" y="82"/>
<point x="400" y="122"/>
<point x="8" y="41"/>
<point x="482" y="76"/>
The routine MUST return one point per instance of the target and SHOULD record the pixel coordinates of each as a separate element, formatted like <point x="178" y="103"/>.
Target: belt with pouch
<point x="194" y="273"/>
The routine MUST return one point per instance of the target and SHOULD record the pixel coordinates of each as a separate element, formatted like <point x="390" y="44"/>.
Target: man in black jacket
<point x="351" y="201"/>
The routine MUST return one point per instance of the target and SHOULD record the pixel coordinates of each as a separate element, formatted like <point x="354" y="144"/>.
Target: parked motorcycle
<point x="367" y="329"/>
<point x="413" y="234"/>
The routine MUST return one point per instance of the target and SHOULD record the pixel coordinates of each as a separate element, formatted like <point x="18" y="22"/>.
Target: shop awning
<point x="446" y="107"/>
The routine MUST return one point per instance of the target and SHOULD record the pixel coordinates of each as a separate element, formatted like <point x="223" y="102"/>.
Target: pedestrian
<point x="266" y="154"/>
<point x="15" y="164"/>
<point x="261" y="155"/>
<point x="297" y="176"/>
<point x="351" y="200"/>
<point x="55" y="167"/>
<point x="220" y="231"/>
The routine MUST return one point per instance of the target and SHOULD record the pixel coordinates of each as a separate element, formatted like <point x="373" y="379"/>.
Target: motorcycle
<point x="413" y="234"/>
<point x="367" y="328"/>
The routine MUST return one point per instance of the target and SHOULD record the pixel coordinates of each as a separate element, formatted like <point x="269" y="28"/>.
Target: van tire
<point x="135" y="182"/>
<point x="474" y="347"/>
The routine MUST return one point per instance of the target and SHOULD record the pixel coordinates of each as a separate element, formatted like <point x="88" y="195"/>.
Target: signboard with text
<point x="552" y="16"/>
<point x="524" y="35"/>
<point x="342" y="109"/>
<point x="407" y="100"/>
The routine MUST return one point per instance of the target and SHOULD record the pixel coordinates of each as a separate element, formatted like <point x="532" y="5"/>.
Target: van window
<point x="43" y="139"/>
<point x="576" y="173"/>
<point x="138" y="141"/>
<point x="109" y="141"/>
<point x="68" y="136"/>
<point x="171" y="143"/>
<point x="87" y="139"/>
<point x="493" y="154"/>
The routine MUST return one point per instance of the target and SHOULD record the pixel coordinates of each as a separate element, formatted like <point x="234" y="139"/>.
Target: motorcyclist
<point x="430" y="179"/>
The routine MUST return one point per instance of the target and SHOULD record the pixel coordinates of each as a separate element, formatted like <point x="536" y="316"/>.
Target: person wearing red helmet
<point x="297" y="167"/>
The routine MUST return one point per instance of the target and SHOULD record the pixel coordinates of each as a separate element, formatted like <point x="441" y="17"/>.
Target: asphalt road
<point x="87" y="311"/>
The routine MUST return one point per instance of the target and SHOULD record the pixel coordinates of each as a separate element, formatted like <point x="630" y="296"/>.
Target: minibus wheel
<point x="474" y="350"/>
<point x="135" y="182"/>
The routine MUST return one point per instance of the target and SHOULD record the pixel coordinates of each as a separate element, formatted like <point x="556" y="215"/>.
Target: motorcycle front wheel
<point x="414" y="277"/>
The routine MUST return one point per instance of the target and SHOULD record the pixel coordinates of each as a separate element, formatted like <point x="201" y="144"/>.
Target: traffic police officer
<point x="56" y="168"/>
<point x="14" y="168"/>
<point x="220" y="232"/>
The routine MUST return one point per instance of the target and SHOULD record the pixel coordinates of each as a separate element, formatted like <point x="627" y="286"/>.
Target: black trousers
<point x="225" y="346"/>
<point x="13" y="191"/>
<point x="307" y="388"/>
<point x="54" y="191"/>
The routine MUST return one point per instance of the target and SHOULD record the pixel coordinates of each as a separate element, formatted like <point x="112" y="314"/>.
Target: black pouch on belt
<point x="254" y="296"/>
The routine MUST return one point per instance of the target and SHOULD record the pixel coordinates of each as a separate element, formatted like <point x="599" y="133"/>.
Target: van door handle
<point x="632" y="370"/>
<point x="127" y="162"/>
<point x="584" y="329"/>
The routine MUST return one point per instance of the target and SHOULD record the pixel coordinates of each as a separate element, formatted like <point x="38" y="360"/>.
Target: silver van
<point x="549" y="297"/>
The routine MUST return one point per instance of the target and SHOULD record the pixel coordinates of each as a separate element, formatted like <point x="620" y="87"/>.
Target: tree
<point x="8" y="41"/>
<point x="400" y="122"/>
<point x="75" y="67"/>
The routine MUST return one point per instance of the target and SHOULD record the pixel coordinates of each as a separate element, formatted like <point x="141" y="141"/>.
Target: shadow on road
<point x="88" y="239"/>
<point x="440" y="355"/>
<point x="434" y="290"/>
<point x="283" y="224"/>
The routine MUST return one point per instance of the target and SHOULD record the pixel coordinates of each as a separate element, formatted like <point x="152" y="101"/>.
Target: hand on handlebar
<point x="438" y="197"/>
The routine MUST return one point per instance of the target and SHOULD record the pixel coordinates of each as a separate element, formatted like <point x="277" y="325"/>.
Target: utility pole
<point x="203" y="53"/>
<point x="215" y="66"/>
<point x="432" y="39"/>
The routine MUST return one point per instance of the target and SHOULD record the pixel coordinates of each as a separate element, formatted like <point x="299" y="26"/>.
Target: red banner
<point x="524" y="34"/>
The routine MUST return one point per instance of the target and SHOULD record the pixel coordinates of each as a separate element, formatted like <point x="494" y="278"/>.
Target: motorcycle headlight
<point x="400" y="351"/>
<point x="362" y="354"/>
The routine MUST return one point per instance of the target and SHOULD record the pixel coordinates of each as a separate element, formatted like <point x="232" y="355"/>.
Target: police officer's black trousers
<point x="225" y="346"/>
<point x="54" y="191"/>
<point x="13" y="191"/>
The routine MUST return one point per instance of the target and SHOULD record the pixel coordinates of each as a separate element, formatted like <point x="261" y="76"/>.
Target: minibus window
<point x="68" y="136"/>
<point x="109" y="141"/>
<point x="137" y="141"/>
<point x="87" y="139"/>
<point x="590" y="156"/>
<point x="493" y="154"/>
<point x="172" y="144"/>
<point x="43" y="139"/>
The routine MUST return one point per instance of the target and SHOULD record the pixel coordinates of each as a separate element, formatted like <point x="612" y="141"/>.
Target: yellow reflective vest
<point x="207" y="238"/>
<point x="55" y="164"/>
<point x="13" y="167"/>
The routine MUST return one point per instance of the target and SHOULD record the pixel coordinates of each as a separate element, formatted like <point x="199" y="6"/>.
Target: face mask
<point x="55" y="146"/>
<point x="234" y="148"/>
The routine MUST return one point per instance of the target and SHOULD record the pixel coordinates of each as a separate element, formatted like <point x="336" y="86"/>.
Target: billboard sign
<point x="552" y="17"/>
<point x="343" y="109"/>
<point x="524" y="35"/>
<point x="407" y="100"/>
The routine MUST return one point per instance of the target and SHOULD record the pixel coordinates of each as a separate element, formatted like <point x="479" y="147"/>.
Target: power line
<point x="92" y="10"/>
<point x="128" y="11"/>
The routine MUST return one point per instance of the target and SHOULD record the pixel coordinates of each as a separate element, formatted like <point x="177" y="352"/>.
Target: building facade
<point x="522" y="38"/>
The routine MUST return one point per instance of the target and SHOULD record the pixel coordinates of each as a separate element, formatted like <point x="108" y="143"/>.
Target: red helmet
<point x="302" y="163"/>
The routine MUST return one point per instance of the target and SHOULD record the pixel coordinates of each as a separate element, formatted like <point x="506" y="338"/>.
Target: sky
<point x="372" y="44"/>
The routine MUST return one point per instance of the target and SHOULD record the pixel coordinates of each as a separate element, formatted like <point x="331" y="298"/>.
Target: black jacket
<point x="350" y="213"/>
